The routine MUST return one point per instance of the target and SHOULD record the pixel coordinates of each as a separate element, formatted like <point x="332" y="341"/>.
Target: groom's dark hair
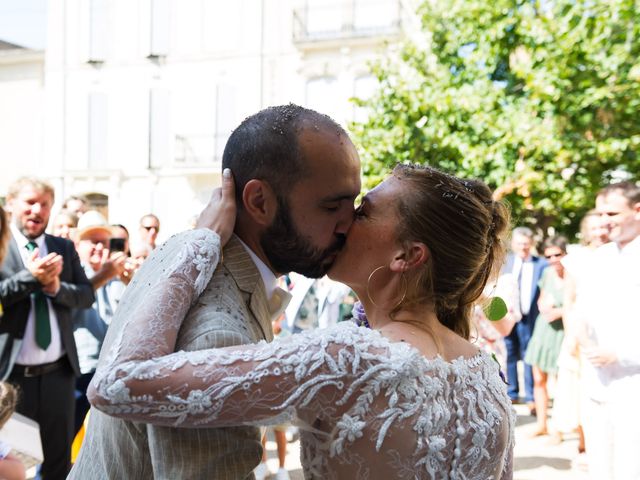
<point x="265" y="147"/>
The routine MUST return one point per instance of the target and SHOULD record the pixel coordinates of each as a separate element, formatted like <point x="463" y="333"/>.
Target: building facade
<point x="138" y="97"/>
<point x="21" y="112"/>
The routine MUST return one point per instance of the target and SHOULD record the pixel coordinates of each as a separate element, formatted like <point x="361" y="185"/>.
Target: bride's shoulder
<point x="347" y="333"/>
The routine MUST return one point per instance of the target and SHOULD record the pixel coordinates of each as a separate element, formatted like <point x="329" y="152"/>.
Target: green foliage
<point x="539" y="99"/>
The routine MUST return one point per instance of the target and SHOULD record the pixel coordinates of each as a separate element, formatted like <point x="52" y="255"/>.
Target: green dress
<point x="545" y="343"/>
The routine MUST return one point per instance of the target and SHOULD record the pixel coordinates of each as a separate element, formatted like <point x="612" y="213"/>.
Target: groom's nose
<point x="345" y="220"/>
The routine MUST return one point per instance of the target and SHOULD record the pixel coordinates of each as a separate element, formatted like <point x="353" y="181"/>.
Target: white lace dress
<point x="369" y="408"/>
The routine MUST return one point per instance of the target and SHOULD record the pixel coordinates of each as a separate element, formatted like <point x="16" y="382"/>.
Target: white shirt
<point x="609" y="304"/>
<point x="30" y="353"/>
<point x="523" y="270"/>
<point x="278" y="298"/>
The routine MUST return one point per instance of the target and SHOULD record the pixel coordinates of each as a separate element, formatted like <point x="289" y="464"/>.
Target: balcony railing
<point x="347" y="19"/>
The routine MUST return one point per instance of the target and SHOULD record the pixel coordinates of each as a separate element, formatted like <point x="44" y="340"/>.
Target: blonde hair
<point x="36" y="183"/>
<point x="8" y="401"/>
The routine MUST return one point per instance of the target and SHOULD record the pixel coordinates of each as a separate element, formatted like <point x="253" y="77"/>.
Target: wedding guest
<point x="544" y="346"/>
<point x="90" y="324"/>
<point x="568" y="402"/>
<point x="527" y="269"/>
<point x="606" y="304"/>
<point x="41" y="281"/>
<point x="149" y="229"/>
<point x="116" y="286"/>
<point x="76" y="204"/>
<point x="121" y="232"/>
<point x="64" y="224"/>
<point x="489" y="334"/>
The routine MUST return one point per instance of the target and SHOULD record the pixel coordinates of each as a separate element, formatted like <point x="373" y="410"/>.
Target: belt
<point x="38" y="370"/>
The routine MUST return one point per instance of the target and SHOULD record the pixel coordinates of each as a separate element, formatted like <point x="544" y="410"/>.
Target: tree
<point x="538" y="98"/>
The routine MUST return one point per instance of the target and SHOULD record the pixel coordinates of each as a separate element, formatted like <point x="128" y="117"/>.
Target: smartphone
<point x="116" y="245"/>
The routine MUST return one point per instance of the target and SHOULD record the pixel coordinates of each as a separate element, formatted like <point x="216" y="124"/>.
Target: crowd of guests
<point x="75" y="275"/>
<point x="572" y="316"/>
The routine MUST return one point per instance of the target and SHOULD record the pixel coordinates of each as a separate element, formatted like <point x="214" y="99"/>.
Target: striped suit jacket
<point x="232" y="310"/>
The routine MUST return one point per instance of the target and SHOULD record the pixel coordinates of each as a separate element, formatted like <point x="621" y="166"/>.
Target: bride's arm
<point x="264" y="383"/>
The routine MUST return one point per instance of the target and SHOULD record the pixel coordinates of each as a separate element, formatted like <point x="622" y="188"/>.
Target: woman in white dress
<point x="409" y="397"/>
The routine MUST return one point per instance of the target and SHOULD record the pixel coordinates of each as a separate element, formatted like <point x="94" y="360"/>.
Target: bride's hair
<point x="464" y="230"/>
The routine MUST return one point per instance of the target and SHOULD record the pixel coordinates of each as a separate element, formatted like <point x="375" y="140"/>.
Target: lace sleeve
<point x="297" y="378"/>
<point x="264" y="383"/>
<point x="160" y="303"/>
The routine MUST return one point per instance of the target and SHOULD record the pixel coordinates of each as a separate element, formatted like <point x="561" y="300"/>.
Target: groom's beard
<point x="288" y="251"/>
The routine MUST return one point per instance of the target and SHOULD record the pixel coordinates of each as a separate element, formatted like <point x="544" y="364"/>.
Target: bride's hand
<point x="220" y="213"/>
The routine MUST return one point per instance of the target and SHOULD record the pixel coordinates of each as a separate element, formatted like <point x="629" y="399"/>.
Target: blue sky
<point x="24" y="22"/>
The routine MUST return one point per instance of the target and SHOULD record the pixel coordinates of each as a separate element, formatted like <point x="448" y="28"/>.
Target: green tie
<point x="43" y="327"/>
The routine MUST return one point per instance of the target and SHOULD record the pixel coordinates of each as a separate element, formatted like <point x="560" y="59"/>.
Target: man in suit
<point x="297" y="175"/>
<point x="527" y="269"/>
<point x="41" y="280"/>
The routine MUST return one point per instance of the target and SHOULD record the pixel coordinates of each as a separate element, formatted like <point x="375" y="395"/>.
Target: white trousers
<point x="612" y="435"/>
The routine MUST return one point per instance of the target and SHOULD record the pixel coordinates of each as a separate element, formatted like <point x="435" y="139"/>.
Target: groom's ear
<point x="412" y="255"/>
<point x="259" y="201"/>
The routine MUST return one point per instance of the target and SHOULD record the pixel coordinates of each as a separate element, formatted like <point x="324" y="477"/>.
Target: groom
<point x="297" y="175"/>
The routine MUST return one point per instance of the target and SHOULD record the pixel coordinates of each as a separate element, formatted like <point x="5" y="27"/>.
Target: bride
<point x="401" y="394"/>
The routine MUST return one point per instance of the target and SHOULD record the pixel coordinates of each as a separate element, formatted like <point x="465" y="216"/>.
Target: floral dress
<point x="367" y="407"/>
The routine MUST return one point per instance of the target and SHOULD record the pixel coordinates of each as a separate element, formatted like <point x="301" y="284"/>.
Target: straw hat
<point x="90" y="222"/>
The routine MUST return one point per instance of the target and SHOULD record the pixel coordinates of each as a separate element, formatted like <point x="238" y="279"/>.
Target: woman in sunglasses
<point x="544" y="347"/>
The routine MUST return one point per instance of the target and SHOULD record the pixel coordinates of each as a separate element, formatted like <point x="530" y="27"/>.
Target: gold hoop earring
<point x="403" y="280"/>
<point x="369" y="281"/>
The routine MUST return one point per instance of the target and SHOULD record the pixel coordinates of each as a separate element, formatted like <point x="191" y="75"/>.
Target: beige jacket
<point x="232" y="310"/>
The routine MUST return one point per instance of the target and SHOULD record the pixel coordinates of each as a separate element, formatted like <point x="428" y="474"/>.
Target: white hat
<point x="91" y="221"/>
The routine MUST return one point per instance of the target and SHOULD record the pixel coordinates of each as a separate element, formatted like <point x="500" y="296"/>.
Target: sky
<point x="24" y="22"/>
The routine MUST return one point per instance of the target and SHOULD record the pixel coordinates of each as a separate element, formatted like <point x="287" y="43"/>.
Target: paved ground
<point x="538" y="458"/>
<point x="535" y="458"/>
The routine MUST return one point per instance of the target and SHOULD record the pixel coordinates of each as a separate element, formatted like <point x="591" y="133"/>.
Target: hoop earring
<point x="403" y="279"/>
<point x="369" y="281"/>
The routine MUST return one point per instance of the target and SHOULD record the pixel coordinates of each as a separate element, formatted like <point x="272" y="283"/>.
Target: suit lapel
<point x="52" y="245"/>
<point x="14" y="261"/>
<point x="246" y="275"/>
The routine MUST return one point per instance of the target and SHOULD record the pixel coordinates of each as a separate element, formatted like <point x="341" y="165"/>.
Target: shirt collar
<point x="529" y="259"/>
<point x="268" y="278"/>
<point x="22" y="241"/>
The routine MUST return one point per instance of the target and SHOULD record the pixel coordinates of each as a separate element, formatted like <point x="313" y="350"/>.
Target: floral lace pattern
<point x="370" y="408"/>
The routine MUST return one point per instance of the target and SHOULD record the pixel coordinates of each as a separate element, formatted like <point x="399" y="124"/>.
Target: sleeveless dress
<point x="546" y="340"/>
<point x="368" y="408"/>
